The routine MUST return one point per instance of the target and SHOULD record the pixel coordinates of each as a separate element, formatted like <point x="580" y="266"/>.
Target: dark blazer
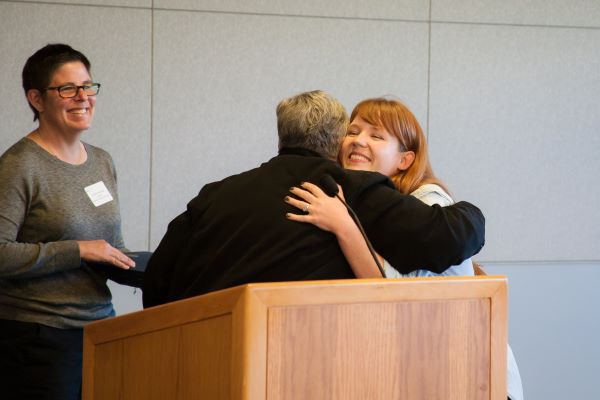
<point x="235" y="231"/>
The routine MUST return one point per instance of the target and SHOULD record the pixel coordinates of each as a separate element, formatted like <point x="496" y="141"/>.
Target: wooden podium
<point x="421" y="338"/>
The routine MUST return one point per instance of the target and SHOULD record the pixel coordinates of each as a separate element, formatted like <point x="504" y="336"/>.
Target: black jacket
<point x="235" y="231"/>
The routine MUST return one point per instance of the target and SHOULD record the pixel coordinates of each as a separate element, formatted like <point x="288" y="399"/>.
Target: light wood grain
<point x="205" y="359"/>
<point x="417" y="350"/>
<point x="434" y="338"/>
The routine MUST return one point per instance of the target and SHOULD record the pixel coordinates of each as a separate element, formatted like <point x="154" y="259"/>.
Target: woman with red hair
<point x="383" y="136"/>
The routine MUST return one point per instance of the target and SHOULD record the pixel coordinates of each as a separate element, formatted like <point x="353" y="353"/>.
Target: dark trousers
<point x="40" y="362"/>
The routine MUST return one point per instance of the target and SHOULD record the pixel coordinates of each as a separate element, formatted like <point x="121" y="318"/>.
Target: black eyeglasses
<point x="69" y="91"/>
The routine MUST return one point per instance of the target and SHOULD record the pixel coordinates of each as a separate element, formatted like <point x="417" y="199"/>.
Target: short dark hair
<point x="40" y="67"/>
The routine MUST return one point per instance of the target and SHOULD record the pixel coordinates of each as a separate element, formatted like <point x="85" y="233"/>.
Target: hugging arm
<point x="422" y="236"/>
<point x="329" y="214"/>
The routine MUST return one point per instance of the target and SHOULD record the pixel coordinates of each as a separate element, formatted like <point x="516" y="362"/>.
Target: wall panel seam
<point x="428" y="74"/>
<point x="266" y="14"/>
<point x="150" y="163"/>
<point x="516" y="25"/>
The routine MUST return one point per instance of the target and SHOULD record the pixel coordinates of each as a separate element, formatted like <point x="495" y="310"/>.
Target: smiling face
<point x="370" y="148"/>
<point x="72" y="115"/>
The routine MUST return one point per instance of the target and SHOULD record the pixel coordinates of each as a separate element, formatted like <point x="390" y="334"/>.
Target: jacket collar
<point x="299" y="151"/>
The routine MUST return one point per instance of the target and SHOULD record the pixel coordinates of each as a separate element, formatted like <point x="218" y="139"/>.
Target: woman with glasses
<point x="58" y="210"/>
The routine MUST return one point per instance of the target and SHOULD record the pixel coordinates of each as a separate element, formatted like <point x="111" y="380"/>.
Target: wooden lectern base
<point x="419" y="338"/>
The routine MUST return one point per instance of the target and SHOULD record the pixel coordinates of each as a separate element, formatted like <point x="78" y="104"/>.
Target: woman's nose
<point x="360" y="139"/>
<point x="81" y="95"/>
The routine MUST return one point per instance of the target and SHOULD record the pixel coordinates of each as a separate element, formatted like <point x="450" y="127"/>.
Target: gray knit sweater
<point x="43" y="210"/>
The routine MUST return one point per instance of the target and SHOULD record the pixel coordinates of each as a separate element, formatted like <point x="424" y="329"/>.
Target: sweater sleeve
<point x="161" y="266"/>
<point x="164" y="270"/>
<point x="435" y="236"/>
<point x="19" y="259"/>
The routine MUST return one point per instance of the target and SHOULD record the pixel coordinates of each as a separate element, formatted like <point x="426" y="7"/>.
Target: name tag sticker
<point x="98" y="193"/>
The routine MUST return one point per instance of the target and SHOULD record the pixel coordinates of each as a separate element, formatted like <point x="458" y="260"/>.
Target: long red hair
<point x="398" y="120"/>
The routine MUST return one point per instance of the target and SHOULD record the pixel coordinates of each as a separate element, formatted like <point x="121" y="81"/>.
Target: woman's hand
<point x="101" y="251"/>
<point x="327" y="213"/>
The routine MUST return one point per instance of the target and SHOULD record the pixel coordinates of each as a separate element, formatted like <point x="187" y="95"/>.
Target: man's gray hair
<point x="312" y="120"/>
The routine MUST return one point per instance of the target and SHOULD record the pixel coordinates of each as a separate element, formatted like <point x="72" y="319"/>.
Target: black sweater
<point x="235" y="231"/>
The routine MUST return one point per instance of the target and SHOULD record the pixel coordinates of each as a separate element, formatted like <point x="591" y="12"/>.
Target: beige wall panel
<point x="219" y="77"/>
<point x="531" y="12"/>
<point x="385" y="9"/>
<point x="514" y="122"/>
<point x="553" y="316"/>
